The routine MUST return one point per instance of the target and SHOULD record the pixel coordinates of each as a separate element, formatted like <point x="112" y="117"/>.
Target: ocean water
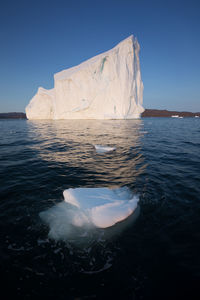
<point x="153" y="254"/>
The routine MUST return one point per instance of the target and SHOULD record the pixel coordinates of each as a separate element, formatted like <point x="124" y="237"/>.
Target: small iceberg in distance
<point x="87" y="209"/>
<point x="103" y="149"/>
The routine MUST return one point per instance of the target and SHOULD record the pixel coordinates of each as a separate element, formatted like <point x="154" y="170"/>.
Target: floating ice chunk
<point x="103" y="207"/>
<point x="103" y="149"/>
<point x="86" y="209"/>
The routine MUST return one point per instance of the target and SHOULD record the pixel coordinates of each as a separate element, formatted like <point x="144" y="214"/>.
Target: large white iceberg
<point x="107" y="86"/>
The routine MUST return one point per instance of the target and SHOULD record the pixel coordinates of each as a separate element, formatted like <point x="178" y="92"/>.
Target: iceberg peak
<point x="106" y="86"/>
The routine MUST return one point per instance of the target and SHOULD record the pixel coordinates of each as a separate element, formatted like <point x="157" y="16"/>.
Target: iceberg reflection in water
<point x="70" y="144"/>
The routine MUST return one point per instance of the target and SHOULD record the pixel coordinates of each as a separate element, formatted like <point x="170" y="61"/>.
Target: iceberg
<point x="107" y="86"/>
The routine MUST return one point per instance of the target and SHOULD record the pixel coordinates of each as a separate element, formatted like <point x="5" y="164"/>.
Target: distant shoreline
<point x="168" y="113"/>
<point x="146" y="114"/>
<point x="13" y="115"/>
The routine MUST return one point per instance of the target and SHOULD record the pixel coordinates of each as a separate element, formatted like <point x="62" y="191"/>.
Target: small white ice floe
<point x="103" y="149"/>
<point x="103" y="207"/>
<point x="85" y="209"/>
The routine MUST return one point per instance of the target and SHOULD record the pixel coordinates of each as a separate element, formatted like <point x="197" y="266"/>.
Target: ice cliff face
<point x="107" y="86"/>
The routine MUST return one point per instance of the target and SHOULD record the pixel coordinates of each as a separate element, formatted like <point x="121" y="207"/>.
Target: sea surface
<point x="154" y="254"/>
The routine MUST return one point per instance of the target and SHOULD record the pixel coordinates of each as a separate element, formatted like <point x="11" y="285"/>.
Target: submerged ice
<point x="107" y="86"/>
<point x="84" y="209"/>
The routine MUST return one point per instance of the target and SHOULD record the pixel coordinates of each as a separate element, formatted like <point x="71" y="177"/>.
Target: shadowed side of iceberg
<point x="42" y="105"/>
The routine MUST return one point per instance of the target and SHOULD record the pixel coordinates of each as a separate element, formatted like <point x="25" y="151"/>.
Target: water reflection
<point x="71" y="144"/>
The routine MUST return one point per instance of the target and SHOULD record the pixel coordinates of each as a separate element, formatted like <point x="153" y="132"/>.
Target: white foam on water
<point x="103" y="149"/>
<point x="88" y="209"/>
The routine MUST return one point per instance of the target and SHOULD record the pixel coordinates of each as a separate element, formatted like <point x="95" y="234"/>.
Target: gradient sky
<point x="40" y="38"/>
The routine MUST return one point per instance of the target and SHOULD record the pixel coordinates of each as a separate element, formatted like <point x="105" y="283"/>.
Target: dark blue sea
<point x="153" y="254"/>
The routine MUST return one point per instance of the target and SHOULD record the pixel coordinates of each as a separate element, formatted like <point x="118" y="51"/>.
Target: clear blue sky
<point x="40" y="38"/>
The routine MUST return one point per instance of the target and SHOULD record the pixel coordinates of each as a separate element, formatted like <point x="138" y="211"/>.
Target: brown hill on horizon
<point x="13" y="115"/>
<point x="167" y="113"/>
